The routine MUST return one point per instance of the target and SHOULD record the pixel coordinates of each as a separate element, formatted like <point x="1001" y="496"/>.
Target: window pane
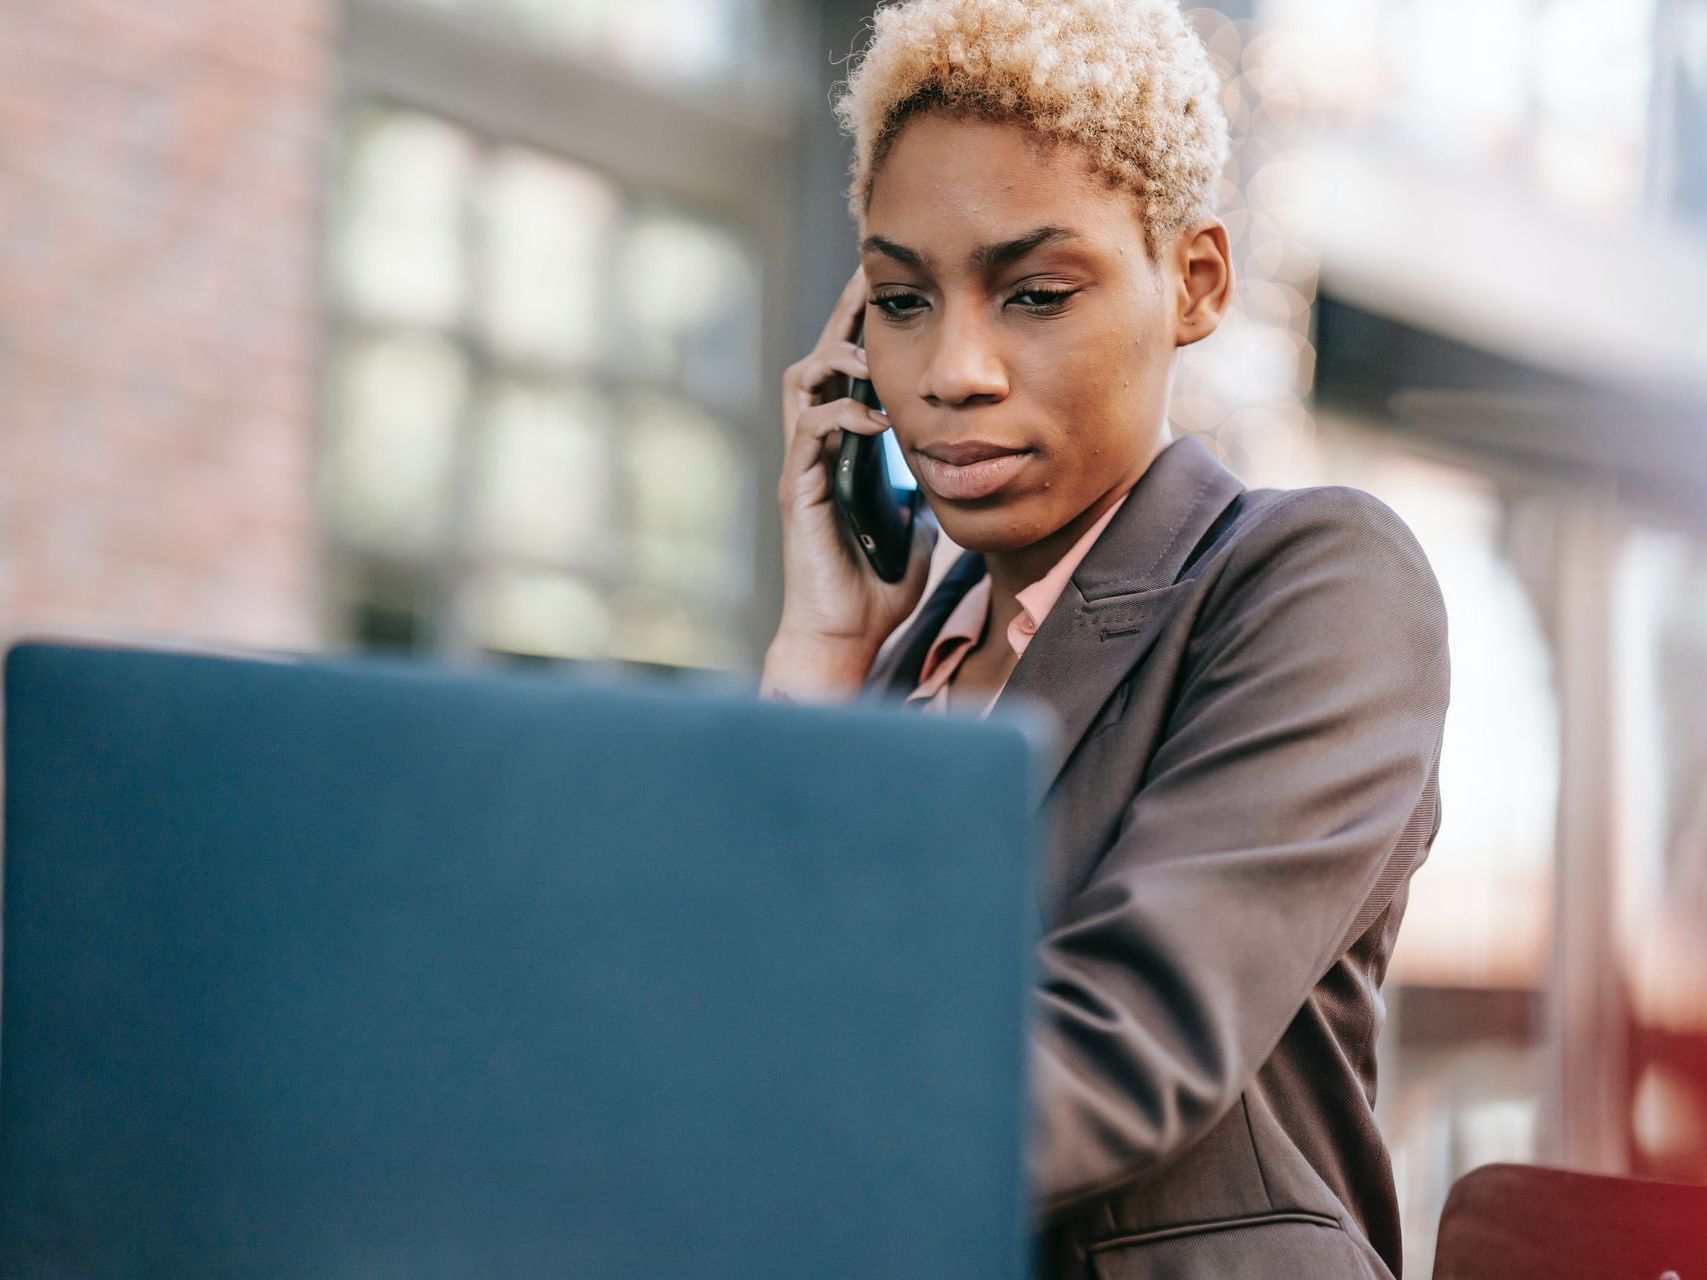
<point x="1463" y="97"/>
<point x="545" y="475"/>
<point x="396" y="401"/>
<point x="1594" y="62"/>
<point x="536" y="612"/>
<point x="398" y="250"/>
<point x="691" y="40"/>
<point x="548" y="228"/>
<point x="685" y="495"/>
<point x="691" y="305"/>
<point x="1481" y="915"/>
<point x="1661" y="638"/>
<point x="1559" y="95"/>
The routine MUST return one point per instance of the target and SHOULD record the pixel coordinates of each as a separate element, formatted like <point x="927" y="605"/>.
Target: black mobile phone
<point x="876" y="511"/>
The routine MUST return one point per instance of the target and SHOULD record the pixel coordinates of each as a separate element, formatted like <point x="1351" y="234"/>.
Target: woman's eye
<point x="899" y="306"/>
<point x="1043" y="300"/>
<point x="895" y="305"/>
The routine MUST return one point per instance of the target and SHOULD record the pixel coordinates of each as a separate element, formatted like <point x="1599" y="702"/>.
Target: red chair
<point x="1520" y="1222"/>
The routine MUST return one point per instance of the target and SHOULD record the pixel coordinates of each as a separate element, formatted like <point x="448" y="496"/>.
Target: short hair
<point x="1129" y="80"/>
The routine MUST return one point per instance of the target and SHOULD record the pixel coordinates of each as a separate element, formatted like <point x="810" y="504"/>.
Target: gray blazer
<point x="1250" y="686"/>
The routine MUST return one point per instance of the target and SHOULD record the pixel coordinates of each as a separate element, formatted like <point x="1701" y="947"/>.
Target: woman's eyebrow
<point x="985" y="256"/>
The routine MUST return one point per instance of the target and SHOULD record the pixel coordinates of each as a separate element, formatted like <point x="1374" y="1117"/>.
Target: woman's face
<point x="1018" y="335"/>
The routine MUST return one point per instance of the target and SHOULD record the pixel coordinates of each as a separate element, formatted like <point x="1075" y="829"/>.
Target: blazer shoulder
<point x="1334" y="539"/>
<point x="1351" y="522"/>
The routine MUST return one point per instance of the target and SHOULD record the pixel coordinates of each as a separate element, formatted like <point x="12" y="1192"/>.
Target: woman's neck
<point x="1013" y="571"/>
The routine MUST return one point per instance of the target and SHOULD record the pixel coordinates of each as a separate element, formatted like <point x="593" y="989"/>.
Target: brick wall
<point x="159" y="182"/>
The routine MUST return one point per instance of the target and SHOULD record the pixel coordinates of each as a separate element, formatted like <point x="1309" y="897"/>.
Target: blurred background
<point x="454" y="328"/>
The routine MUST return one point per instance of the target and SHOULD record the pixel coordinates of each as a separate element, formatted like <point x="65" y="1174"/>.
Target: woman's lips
<point x="968" y="480"/>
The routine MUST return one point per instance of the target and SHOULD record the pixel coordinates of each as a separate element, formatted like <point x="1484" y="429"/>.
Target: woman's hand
<point x="836" y="611"/>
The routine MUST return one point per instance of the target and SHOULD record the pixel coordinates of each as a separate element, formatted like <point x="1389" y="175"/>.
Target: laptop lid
<point x="364" y="968"/>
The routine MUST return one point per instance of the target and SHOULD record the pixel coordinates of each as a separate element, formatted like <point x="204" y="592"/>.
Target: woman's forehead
<point x="952" y="190"/>
<point x="1005" y="154"/>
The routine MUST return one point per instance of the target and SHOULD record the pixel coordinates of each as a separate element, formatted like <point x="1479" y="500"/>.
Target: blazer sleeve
<point x="1306" y="723"/>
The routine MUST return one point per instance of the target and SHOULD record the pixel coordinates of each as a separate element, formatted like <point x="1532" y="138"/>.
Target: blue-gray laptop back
<point x="345" y="968"/>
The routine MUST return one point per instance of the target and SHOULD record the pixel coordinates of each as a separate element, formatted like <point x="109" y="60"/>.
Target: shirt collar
<point x="964" y="626"/>
<point x="1039" y="598"/>
<point x="962" y="629"/>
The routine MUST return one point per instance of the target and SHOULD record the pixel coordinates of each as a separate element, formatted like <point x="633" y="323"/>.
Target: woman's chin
<point x="998" y="529"/>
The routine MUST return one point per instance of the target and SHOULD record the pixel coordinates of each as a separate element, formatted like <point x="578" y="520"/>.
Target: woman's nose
<point x="965" y="364"/>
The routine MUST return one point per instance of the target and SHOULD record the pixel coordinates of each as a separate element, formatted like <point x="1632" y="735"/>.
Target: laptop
<point x="364" y="968"/>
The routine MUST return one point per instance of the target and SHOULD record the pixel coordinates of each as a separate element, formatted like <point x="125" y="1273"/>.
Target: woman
<point x="1250" y="683"/>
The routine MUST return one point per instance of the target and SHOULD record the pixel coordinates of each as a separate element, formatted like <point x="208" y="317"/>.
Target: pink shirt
<point x="964" y="627"/>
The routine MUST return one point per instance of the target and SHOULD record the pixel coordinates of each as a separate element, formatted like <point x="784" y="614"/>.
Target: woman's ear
<point x="1203" y="280"/>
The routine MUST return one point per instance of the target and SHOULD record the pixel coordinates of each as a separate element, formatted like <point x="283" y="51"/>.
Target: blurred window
<point x="542" y="392"/>
<point x="1479" y="910"/>
<point x="1461" y="1076"/>
<point x="691" y="42"/>
<point x="1660" y="913"/>
<point x="1557" y="91"/>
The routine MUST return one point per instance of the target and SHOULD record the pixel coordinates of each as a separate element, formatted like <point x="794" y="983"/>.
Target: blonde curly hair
<point x="1127" y="79"/>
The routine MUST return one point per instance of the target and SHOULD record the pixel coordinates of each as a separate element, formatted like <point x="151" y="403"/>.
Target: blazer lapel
<point x="1110" y="612"/>
<point x="1119" y="596"/>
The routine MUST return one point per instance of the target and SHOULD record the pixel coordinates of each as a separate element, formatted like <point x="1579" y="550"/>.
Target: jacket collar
<point x="1116" y="603"/>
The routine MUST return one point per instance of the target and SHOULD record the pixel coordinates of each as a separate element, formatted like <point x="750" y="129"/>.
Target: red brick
<point x="159" y="173"/>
